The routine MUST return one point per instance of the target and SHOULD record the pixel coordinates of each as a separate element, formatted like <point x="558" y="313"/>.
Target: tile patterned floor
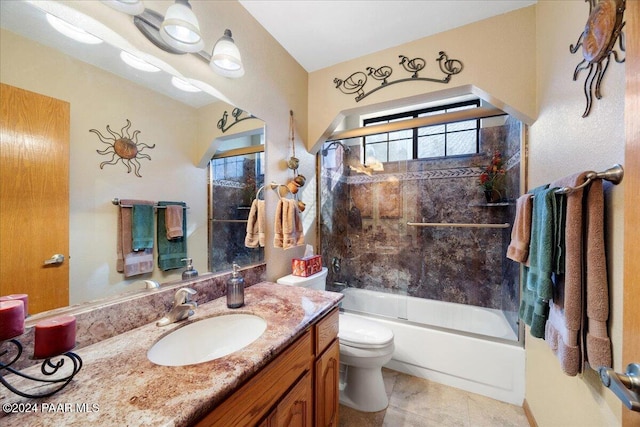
<point x="416" y="402"/>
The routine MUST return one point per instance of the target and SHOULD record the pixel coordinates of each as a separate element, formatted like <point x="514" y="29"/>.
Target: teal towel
<point x="142" y="227"/>
<point x="546" y="220"/>
<point x="171" y="252"/>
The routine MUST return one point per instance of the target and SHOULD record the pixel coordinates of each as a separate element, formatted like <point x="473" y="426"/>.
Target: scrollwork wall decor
<point x="602" y="31"/>
<point x="235" y="113"/>
<point x="124" y="148"/>
<point x="355" y="83"/>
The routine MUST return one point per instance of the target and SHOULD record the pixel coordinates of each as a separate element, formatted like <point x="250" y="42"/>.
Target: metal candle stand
<point x="48" y="369"/>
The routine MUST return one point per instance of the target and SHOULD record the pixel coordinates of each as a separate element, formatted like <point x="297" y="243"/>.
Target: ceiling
<point x="322" y="33"/>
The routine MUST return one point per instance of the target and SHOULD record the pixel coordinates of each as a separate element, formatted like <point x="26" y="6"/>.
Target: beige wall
<point x="498" y="57"/>
<point x="562" y="142"/>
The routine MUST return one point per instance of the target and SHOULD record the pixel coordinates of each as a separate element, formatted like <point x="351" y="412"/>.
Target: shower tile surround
<point x="364" y="227"/>
<point x="103" y="319"/>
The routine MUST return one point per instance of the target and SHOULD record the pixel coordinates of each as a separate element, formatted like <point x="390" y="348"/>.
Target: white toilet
<point x="364" y="347"/>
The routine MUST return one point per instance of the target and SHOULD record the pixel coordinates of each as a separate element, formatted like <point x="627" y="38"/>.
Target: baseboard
<point x="527" y="412"/>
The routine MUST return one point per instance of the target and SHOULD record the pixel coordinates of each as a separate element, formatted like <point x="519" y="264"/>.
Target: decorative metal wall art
<point x="354" y="84"/>
<point x="123" y="147"/>
<point x="236" y="113"/>
<point x="603" y="29"/>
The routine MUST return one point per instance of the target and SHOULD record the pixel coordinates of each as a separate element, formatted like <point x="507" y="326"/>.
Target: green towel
<point x="142" y="227"/>
<point x="546" y="221"/>
<point x="171" y="252"/>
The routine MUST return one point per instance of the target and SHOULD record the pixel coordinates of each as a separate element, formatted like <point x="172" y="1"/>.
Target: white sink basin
<point x="207" y="339"/>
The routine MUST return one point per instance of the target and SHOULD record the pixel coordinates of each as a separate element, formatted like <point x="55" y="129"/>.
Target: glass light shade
<point x="71" y="31"/>
<point x="137" y="63"/>
<point x="180" y="28"/>
<point x="226" y="59"/>
<point x="130" y="7"/>
<point x="183" y="85"/>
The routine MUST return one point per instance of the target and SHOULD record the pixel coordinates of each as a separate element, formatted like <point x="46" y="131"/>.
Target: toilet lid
<point x="361" y="333"/>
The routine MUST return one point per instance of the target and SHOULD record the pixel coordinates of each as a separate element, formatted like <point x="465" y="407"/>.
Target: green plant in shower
<point x="492" y="179"/>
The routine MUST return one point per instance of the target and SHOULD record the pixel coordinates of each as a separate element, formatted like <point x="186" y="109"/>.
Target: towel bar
<point x="614" y="175"/>
<point x="116" y="202"/>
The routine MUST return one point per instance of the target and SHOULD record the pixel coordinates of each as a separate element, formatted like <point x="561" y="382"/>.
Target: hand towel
<point x="518" y="249"/>
<point x="255" y="225"/>
<point x="278" y="237"/>
<point x="173" y="221"/>
<point x="171" y="252"/>
<point x="129" y="262"/>
<point x="292" y="230"/>
<point x="142" y="227"/>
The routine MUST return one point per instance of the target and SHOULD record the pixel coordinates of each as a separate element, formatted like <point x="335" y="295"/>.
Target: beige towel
<point x="173" y="221"/>
<point x="255" y="225"/>
<point x="292" y="230"/>
<point x="278" y="237"/>
<point x="597" y="288"/>
<point x="288" y="225"/>
<point x="518" y="249"/>
<point x="130" y="262"/>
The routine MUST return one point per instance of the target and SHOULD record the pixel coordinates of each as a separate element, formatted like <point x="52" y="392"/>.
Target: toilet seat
<point x="360" y="333"/>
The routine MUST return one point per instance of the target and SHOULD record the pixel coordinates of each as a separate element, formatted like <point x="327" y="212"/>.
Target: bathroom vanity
<point x="288" y="376"/>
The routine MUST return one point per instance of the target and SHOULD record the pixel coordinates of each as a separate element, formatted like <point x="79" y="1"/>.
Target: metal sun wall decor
<point x="236" y="113"/>
<point x="123" y="147"/>
<point x="354" y="84"/>
<point x="603" y="29"/>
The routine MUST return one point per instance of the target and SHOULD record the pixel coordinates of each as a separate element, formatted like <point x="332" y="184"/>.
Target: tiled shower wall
<point x="366" y="242"/>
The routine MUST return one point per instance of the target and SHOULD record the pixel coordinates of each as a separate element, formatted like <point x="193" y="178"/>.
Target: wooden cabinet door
<point x="34" y="197"/>
<point x="296" y="408"/>
<point x="327" y="386"/>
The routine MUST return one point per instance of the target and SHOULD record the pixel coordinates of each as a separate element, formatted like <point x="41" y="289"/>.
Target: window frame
<point x="415" y="114"/>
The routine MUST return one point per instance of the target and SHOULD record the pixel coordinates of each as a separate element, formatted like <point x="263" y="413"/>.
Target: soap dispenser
<point x="190" y="272"/>
<point x="235" y="289"/>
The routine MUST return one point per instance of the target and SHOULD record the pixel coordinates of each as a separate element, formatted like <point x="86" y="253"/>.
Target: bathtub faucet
<point x="341" y="284"/>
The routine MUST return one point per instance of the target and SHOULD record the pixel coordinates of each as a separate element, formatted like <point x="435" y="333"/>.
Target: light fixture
<point x="178" y="32"/>
<point x="180" y="28"/>
<point x="71" y="31"/>
<point x="226" y="59"/>
<point x="183" y="85"/>
<point x="137" y="63"/>
<point x="130" y="7"/>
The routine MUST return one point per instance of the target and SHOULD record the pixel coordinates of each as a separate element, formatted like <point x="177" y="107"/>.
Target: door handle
<point x="55" y="259"/>
<point x="626" y="386"/>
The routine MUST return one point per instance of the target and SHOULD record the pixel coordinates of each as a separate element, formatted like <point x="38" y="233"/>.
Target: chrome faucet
<point x="182" y="308"/>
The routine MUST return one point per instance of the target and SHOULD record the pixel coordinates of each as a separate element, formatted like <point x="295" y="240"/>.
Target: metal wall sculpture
<point x="124" y="148"/>
<point x="355" y="83"/>
<point x="236" y="113"/>
<point x="602" y="31"/>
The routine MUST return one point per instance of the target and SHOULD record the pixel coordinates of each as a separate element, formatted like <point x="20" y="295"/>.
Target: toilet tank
<point x="315" y="281"/>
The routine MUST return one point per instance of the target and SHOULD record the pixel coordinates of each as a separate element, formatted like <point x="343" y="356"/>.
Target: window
<point x="449" y="139"/>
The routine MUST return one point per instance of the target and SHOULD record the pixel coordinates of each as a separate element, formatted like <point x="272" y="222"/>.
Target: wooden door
<point x="34" y="197"/>
<point x="327" y="376"/>
<point x="631" y="309"/>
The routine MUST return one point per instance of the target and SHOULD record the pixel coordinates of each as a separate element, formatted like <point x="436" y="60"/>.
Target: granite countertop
<point x="119" y="386"/>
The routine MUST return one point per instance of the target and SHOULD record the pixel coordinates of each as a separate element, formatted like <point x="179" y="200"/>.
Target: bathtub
<point x="467" y="347"/>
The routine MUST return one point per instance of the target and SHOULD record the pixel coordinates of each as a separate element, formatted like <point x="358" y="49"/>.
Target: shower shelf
<point x="490" y="205"/>
<point x="459" y="225"/>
